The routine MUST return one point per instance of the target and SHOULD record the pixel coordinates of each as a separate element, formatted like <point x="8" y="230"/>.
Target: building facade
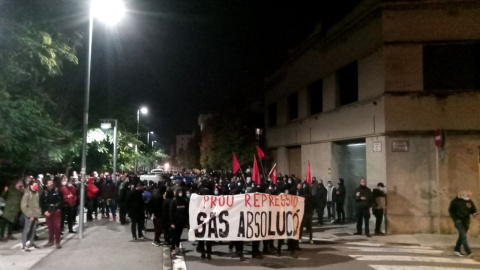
<point x="363" y="99"/>
<point x="182" y="142"/>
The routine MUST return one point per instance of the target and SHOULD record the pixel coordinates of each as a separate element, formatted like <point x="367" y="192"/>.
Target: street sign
<point x="439" y="138"/>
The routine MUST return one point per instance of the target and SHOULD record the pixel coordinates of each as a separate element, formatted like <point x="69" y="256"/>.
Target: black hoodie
<point x="341" y="192"/>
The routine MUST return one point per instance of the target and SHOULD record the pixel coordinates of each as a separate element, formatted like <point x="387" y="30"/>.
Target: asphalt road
<point x="108" y="245"/>
<point x="357" y="254"/>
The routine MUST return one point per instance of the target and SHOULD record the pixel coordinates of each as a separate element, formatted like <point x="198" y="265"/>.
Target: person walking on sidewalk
<point x="136" y="211"/>
<point x="363" y="199"/>
<point x="157" y="201"/>
<point x="51" y="201"/>
<point x="30" y="206"/>
<point x="379" y="196"/>
<point x="178" y="219"/>
<point x="460" y="210"/>
<point x="340" y="201"/>
<point x="12" y="196"/>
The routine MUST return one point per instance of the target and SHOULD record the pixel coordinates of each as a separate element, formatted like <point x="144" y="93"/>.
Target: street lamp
<point x="142" y="110"/>
<point x="153" y="143"/>
<point x="148" y="137"/>
<point x="114" y="10"/>
<point x="107" y="125"/>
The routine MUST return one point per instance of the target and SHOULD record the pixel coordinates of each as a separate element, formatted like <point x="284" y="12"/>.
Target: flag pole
<point x="263" y="171"/>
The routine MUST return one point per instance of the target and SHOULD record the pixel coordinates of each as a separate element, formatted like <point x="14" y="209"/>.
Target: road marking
<point x="396" y="250"/>
<point x="413" y="259"/>
<point x="414" y="267"/>
<point x="371" y="244"/>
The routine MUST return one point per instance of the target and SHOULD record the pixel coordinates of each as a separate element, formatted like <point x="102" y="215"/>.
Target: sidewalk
<point x="106" y="245"/>
<point x="342" y="233"/>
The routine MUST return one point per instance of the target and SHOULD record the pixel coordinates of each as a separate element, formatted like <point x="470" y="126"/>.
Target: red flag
<point x="261" y="155"/>
<point x="273" y="174"/>
<point x="309" y="175"/>
<point x="255" y="173"/>
<point x="236" y="165"/>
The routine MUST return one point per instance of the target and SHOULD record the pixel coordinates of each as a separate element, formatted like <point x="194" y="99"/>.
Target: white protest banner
<point x="245" y="217"/>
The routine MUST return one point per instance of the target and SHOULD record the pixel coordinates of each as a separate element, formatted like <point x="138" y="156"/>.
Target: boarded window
<point x="293" y="106"/>
<point x="315" y="92"/>
<point x="272" y="115"/>
<point x="347" y="84"/>
<point x="451" y="66"/>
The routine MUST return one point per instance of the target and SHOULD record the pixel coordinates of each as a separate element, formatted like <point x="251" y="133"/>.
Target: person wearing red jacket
<point x="91" y="196"/>
<point x="69" y="201"/>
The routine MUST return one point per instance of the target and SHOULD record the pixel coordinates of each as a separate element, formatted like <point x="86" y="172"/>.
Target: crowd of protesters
<point x="165" y="202"/>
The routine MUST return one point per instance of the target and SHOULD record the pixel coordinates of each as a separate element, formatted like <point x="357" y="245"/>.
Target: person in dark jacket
<point x="304" y="191"/>
<point x="156" y="203"/>
<point x="109" y="195"/>
<point x="178" y="219"/>
<point x="237" y="189"/>
<point x="166" y="215"/>
<point x="320" y="199"/>
<point x="205" y="191"/>
<point x="379" y="200"/>
<point x="363" y="199"/>
<point x="340" y="201"/>
<point x="460" y="210"/>
<point x="124" y="190"/>
<point x="51" y="202"/>
<point x="136" y="208"/>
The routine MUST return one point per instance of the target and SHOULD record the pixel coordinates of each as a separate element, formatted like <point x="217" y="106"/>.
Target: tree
<point x="224" y="134"/>
<point x="29" y="55"/>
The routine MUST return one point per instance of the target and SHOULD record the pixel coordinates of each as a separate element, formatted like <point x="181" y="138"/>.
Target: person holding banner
<point x="204" y="190"/>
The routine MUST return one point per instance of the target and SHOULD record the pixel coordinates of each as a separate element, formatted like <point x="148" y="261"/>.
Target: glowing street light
<point x="110" y="11"/>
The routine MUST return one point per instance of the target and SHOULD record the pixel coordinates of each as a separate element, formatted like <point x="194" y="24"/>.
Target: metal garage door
<point x="352" y="166"/>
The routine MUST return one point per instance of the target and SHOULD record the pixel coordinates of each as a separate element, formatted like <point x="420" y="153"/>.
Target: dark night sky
<point x="182" y="58"/>
<point x="185" y="57"/>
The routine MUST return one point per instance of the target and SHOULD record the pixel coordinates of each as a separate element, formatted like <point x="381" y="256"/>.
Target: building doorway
<point x="352" y="166"/>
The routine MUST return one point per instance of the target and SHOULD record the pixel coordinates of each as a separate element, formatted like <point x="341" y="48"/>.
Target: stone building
<point x="364" y="97"/>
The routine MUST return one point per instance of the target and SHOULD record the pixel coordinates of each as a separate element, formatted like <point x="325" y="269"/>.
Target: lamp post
<point x="109" y="11"/>
<point x="107" y="125"/>
<point x="142" y="110"/>
<point x="148" y="137"/>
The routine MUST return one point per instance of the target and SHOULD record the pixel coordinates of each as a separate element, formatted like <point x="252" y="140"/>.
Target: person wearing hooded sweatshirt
<point x="68" y="208"/>
<point x="109" y="197"/>
<point x="91" y="197"/>
<point x="166" y="216"/>
<point x="156" y="204"/>
<point x="340" y="201"/>
<point x="30" y="206"/>
<point x="304" y="191"/>
<point x="205" y="191"/>
<point x="178" y="218"/>
<point x="13" y="197"/>
<point x="136" y="211"/>
<point x="363" y="199"/>
<point x="320" y="196"/>
<point x="460" y="210"/>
